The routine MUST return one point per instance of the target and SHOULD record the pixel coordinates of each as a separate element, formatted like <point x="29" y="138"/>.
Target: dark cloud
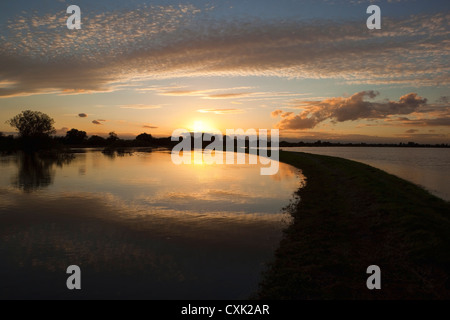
<point x="440" y="122"/>
<point x="444" y="122"/>
<point x="150" y="127"/>
<point x="341" y="109"/>
<point x="444" y="100"/>
<point x="83" y="115"/>
<point x="96" y="122"/>
<point x="411" y="131"/>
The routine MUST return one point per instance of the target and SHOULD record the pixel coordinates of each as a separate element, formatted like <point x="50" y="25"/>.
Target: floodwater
<point x="138" y="226"/>
<point x="427" y="167"/>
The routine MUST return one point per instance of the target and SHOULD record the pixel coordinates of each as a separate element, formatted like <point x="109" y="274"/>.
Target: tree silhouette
<point x="96" y="141"/>
<point x="144" y="137"/>
<point x="112" y="137"/>
<point x="33" y="124"/>
<point x="34" y="129"/>
<point x="75" y="136"/>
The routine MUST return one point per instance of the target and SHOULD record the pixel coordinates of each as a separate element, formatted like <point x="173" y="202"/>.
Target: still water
<point x="427" y="167"/>
<point x="138" y="226"/>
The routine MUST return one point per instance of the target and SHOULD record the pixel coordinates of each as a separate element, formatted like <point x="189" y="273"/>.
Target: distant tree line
<point x="36" y="134"/>
<point x="36" y="131"/>
<point x="77" y="138"/>
<point x="320" y="143"/>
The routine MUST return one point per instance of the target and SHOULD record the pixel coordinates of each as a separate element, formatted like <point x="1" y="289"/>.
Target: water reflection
<point x="138" y="226"/>
<point x="35" y="172"/>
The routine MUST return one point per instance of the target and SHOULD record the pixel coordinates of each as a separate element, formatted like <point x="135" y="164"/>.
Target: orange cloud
<point x="276" y="113"/>
<point x="228" y="95"/>
<point x="341" y="109"/>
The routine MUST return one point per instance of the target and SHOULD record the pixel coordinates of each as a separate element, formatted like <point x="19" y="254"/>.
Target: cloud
<point x="221" y="111"/>
<point x="98" y="121"/>
<point x="38" y="55"/>
<point x="140" y="107"/>
<point x="195" y="93"/>
<point x="444" y="100"/>
<point x="62" y="131"/>
<point x="225" y="93"/>
<point x="150" y="127"/>
<point x="217" y="93"/>
<point x="411" y="131"/>
<point x="439" y="122"/>
<point x="83" y="115"/>
<point x="276" y="113"/>
<point x="341" y="109"/>
<point x="229" y="95"/>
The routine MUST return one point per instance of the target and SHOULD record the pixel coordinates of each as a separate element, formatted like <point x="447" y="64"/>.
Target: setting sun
<point x="201" y="126"/>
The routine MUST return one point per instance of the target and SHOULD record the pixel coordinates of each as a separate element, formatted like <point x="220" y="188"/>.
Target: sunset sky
<point x="310" y="68"/>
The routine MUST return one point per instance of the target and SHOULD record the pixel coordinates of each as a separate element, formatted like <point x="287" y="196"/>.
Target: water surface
<point x="427" y="167"/>
<point x="138" y="226"/>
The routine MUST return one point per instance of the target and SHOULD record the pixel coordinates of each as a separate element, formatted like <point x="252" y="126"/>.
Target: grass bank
<point x="351" y="216"/>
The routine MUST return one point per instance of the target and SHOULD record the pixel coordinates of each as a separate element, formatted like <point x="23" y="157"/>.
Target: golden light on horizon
<point x="201" y="126"/>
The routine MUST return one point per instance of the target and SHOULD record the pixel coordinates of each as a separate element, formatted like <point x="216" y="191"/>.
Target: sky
<point x="309" y="68"/>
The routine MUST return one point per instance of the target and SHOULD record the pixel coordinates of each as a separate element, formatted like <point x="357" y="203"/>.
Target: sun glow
<point x="201" y="126"/>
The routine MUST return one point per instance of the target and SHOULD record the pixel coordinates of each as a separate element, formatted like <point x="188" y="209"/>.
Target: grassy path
<point x="352" y="216"/>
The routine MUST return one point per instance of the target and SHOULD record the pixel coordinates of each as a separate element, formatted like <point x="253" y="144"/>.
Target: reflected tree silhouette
<point x="36" y="172"/>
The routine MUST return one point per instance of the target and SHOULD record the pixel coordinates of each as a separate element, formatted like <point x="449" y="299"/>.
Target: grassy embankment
<point x="351" y="216"/>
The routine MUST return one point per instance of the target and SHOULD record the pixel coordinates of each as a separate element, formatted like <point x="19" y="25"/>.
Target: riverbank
<point x="351" y="216"/>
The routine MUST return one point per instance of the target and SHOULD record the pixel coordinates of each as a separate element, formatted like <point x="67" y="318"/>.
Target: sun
<point x="200" y="126"/>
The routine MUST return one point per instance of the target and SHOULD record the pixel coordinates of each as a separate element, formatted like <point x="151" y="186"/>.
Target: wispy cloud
<point x="39" y="55"/>
<point x="229" y="95"/>
<point x="221" y="111"/>
<point x="217" y="93"/>
<point x="438" y="122"/>
<point x="140" y="107"/>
